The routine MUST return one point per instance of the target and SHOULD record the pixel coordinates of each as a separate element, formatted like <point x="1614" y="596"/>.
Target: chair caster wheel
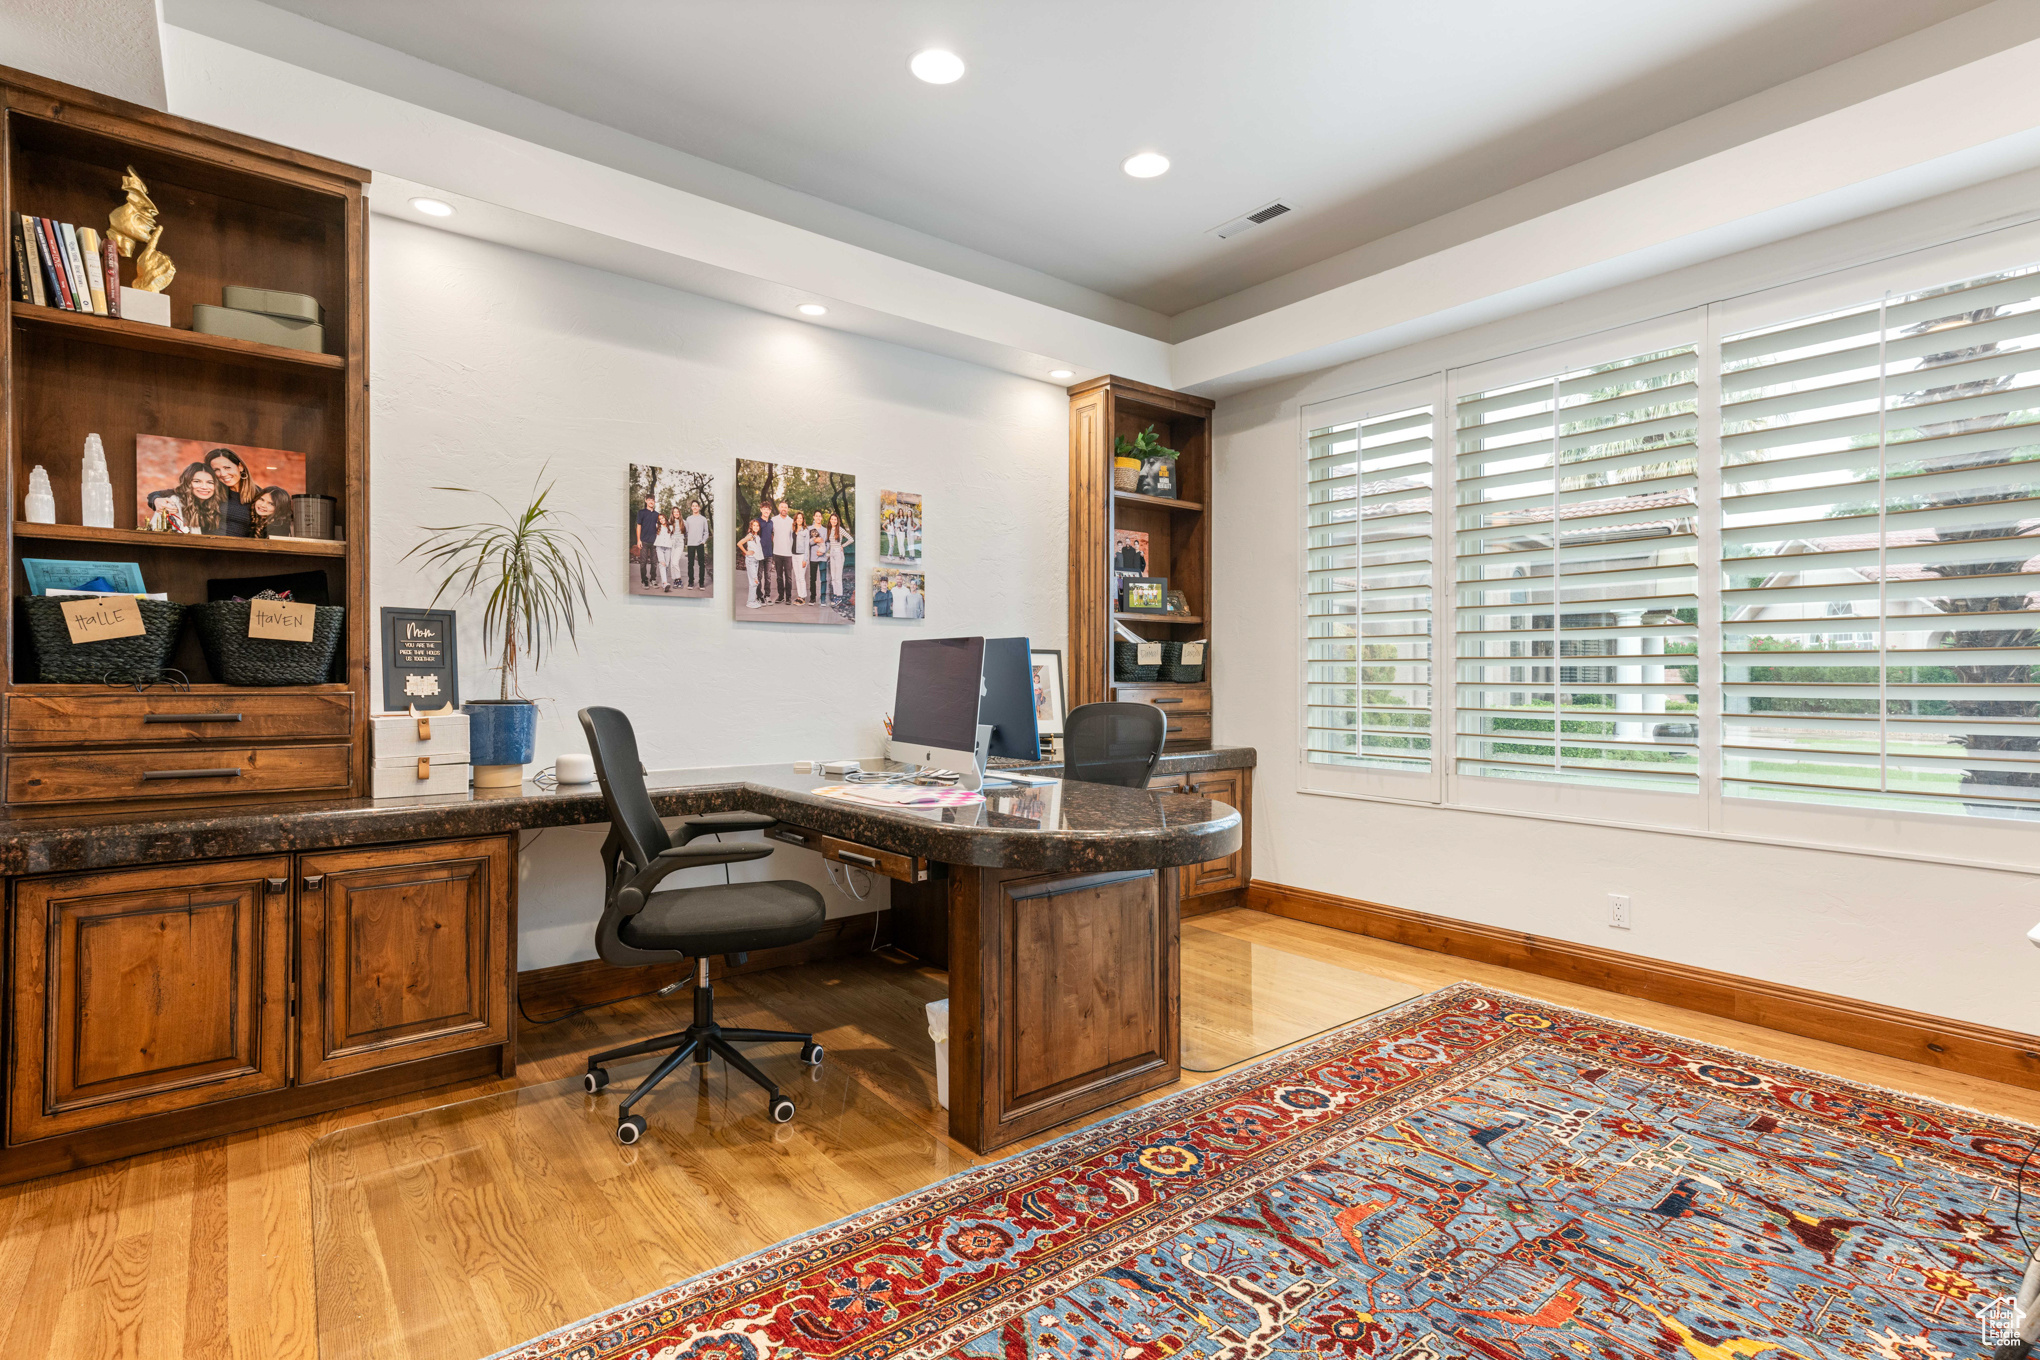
<point x="629" y="1129"/>
<point x="595" y="1079"/>
<point x="782" y="1110"/>
<point x="811" y="1054"/>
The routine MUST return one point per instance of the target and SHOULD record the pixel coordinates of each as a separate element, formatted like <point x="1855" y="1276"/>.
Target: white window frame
<point x="1933" y="837"/>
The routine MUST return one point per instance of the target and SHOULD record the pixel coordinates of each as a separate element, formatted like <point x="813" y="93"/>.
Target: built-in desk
<point x="177" y="975"/>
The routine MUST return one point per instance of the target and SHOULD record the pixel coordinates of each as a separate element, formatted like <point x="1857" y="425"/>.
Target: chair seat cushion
<point x="726" y="918"/>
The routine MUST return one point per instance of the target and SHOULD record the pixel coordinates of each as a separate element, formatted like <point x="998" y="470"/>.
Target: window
<point x="1693" y="582"/>
<point x="1880" y="554"/>
<point x="1578" y="577"/>
<point x="1368" y="592"/>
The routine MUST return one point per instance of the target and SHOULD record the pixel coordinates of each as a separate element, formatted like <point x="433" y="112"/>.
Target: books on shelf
<point x="59" y="265"/>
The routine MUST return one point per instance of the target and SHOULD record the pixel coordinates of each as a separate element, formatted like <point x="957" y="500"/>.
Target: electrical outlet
<point x="1618" y="911"/>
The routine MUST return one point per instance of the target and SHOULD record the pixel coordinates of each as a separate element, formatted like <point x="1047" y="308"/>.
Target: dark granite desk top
<point x="1055" y="827"/>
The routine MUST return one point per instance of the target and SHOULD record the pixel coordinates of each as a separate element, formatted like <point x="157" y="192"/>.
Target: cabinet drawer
<point x="1171" y="699"/>
<point x="904" y="868"/>
<point x="185" y="772"/>
<point x="139" y="719"/>
<point x="1188" y="729"/>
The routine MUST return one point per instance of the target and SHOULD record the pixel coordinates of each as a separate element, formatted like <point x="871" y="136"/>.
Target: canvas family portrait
<point x="198" y="486"/>
<point x="899" y="528"/>
<point x="897" y="594"/>
<point x="671" y="519"/>
<point x="795" y="544"/>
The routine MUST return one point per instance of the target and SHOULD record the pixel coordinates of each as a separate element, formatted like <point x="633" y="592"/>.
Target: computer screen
<point x="1008" y="703"/>
<point x="936" y="702"/>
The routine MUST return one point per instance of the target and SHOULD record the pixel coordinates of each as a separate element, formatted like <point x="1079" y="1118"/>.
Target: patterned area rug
<point x="1469" y="1175"/>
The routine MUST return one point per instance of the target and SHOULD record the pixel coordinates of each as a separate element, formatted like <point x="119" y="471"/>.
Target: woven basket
<point x="60" y="661"/>
<point x="1124" y="668"/>
<point x="237" y="659"/>
<point x="1174" y="669"/>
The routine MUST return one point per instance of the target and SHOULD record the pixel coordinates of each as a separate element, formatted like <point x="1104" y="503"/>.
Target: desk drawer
<point x="1171" y="699"/>
<point x="154" y="718"/>
<point x="904" y="868"/>
<point x="186" y="772"/>
<point x="1188" y="729"/>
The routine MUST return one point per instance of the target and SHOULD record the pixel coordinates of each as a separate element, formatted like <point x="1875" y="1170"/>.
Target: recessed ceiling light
<point x="936" y="66"/>
<point x="813" y="309"/>
<point x="1061" y="374"/>
<point x="432" y="207"/>
<point x="1145" y="164"/>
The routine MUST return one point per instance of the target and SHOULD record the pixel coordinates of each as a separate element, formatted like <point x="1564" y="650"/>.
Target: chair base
<point x="699" y="1041"/>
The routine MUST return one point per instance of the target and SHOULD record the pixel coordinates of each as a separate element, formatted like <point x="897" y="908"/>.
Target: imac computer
<point x="1008" y="702"/>
<point x="935" y="706"/>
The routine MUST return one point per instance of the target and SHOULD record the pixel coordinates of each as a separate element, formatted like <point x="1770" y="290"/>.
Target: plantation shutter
<point x="1368" y="590"/>
<point x="1880" y="554"/>
<point x="1577" y="583"/>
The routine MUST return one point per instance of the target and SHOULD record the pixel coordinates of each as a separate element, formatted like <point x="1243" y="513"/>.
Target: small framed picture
<point x="1146" y="595"/>
<point x="1050" y="700"/>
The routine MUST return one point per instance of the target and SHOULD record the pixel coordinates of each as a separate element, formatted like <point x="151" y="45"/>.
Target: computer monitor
<point x="1008" y="702"/>
<point x="935" y="705"/>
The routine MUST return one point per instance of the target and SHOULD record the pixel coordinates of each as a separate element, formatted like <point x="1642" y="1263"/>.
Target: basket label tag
<point x="1147" y="654"/>
<point x="282" y="620"/>
<point x="1193" y="654"/>
<point x="95" y="618"/>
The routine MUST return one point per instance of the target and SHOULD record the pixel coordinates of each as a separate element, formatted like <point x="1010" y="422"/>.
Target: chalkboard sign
<point x="420" y="662"/>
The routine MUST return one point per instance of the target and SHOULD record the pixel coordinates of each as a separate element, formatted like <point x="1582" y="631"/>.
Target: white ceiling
<point x="1367" y="116"/>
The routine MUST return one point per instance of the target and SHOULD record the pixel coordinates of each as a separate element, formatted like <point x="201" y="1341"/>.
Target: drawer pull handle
<point x="424" y="767"/>
<point x="853" y="857"/>
<point x="229" y="772"/>
<point x="190" y="717"/>
<point x="1165" y="701"/>
<point x="314" y="882"/>
<point x="1174" y="729"/>
<point x="793" y="836"/>
<point x="276" y="885"/>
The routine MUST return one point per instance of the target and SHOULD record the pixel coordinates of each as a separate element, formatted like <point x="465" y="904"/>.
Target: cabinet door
<point x="1216" y="875"/>
<point x="143" y="991"/>
<point x="403" y="953"/>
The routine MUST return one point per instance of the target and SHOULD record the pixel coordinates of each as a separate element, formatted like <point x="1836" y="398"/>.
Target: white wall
<point x="486" y="362"/>
<point x="1940" y="938"/>
<point x="113" y="46"/>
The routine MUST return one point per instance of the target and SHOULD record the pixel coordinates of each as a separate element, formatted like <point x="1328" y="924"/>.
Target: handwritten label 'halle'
<point x="1147" y="654"/>
<point x="95" y="618"/>
<point x="282" y="620"/>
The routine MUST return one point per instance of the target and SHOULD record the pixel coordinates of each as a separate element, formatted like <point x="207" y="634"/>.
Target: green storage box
<point x="274" y="302"/>
<point x="268" y="330"/>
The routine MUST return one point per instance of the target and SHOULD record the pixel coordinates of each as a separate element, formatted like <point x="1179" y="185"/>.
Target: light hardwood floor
<point x="415" y="1229"/>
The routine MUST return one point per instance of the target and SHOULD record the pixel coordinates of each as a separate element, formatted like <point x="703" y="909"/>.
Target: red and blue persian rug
<point x="1469" y="1175"/>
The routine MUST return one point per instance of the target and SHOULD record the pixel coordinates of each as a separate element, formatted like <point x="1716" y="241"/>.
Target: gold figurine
<point x="133" y="224"/>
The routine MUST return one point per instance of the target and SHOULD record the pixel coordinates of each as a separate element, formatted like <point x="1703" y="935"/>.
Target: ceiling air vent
<point x="1251" y="220"/>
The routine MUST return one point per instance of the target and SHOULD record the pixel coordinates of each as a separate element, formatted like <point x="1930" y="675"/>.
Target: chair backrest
<point x="632" y="820"/>
<point x="1113" y="743"/>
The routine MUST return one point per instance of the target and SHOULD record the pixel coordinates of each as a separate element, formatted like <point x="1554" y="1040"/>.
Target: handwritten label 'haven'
<point x="282" y="620"/>
<point x="95" y="618"/>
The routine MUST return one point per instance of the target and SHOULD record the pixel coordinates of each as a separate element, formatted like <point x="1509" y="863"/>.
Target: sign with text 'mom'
<point x="95" y="618"/>
<point x="281" y="620"/>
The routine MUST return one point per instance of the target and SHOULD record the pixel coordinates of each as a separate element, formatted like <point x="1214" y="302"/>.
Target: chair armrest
<point x="631" y="896"/>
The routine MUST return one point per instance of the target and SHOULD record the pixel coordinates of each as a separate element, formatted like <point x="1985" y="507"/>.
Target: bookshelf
<point x="1102" y="411"/>
<point x="235" y="210"/>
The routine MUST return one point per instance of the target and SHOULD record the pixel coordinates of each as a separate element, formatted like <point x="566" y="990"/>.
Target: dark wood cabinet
<point x="146" y="1002"/>
<point x="1234" y="788"/>
<point x="1071" y="1004"/>
<point x="402" y="953"/>
<point x="144" y="991"/>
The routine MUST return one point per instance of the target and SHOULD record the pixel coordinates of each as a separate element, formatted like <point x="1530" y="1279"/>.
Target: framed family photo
<point x="1050" y="700"/>
<point x="1145" y="594"/>
<point x="671" y="532"/>
<point x="199" y="486"/>
<point x="795" y="545"/>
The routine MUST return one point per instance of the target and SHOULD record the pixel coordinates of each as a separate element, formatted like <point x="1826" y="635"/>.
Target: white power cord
<point x="845" y="882"/>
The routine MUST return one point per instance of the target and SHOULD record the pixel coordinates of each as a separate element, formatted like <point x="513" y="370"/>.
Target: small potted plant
<point x="1157" y="475"/>
<point x="535" y="573"/>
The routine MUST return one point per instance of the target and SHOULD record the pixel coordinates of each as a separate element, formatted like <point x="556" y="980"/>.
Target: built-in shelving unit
<point x="234" y="211"/>
<point x="1102" y="411"/>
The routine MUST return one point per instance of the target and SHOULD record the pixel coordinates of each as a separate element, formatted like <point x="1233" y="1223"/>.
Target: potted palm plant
<point x="534" y="571"/>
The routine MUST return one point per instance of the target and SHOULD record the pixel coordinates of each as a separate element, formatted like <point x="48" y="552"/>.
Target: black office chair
<point x="1113" y="743"/>
<point x="640" y="925"/>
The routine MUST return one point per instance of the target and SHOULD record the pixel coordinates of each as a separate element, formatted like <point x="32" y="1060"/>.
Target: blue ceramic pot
<point x="501" y="731"/>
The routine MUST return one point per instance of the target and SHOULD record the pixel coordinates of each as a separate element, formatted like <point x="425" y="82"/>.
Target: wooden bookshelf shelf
<point x="142" y="538"/>
<point x="1158" y="502"/>
<point x="139" y="335"/>
<point x="1124" y="617"/>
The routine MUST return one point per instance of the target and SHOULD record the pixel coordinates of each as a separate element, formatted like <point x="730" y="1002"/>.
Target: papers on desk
<point x="902" y="795"/>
